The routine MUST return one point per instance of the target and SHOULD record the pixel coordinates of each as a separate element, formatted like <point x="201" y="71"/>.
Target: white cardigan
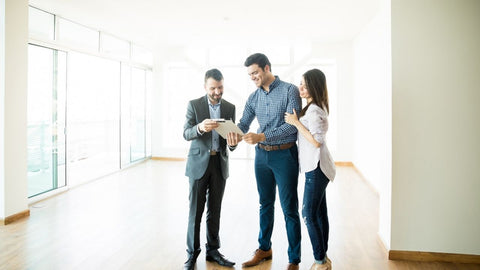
<point x="316" y="121"/>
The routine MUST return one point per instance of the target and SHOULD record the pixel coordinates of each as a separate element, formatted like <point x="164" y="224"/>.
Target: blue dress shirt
<point x="214" y="114"/>
<point x="269" y="108"/>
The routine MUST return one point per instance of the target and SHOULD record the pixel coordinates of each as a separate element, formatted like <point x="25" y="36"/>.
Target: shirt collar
<point x="274" y="84"/>
<point x="214" y="105"/>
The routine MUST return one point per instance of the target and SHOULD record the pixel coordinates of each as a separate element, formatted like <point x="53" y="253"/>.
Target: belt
<point x="276" y="147"/>
<point x="213" y="153"/>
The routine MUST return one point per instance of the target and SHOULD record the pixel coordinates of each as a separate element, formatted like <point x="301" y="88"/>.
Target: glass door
<point x="93" y="123"/>
<point x="46" y="119"/>
<point x="138" y="91"/>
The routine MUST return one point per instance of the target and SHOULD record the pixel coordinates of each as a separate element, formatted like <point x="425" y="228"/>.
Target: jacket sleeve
<point x="190" y="126"/>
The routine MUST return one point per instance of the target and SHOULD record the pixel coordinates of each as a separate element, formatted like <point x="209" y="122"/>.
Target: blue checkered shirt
<point x="269" y="108"/>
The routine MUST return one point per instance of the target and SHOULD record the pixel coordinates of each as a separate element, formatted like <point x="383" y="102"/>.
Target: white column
<point x="435" y="126"/>
<point x="14" y="148"/>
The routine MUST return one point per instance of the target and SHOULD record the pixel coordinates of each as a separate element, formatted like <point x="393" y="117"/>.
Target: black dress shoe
<point x="189" y="264"/>
<point x="192" y="259"/>
<point x="215" y="256"/>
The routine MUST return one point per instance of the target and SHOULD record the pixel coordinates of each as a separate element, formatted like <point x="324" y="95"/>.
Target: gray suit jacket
<point x="199" y="153"/>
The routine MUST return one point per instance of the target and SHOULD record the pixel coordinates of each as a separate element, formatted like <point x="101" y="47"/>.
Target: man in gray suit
<point x="207" y="167"/>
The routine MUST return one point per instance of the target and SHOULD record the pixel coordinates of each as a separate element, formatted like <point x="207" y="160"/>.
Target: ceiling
<point x="154" y="23"/>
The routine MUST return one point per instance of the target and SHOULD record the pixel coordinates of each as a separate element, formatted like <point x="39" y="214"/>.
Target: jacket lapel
<point x="205" y="111"/>
<point x="223" y="111"/>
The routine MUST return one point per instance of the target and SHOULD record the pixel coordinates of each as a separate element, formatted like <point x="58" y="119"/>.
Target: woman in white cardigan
<point x="315" y="161"/>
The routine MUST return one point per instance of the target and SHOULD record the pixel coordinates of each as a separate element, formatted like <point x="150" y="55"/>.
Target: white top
<point x="316" y="121"/>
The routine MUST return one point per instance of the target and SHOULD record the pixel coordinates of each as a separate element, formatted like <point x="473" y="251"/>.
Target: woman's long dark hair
<point x="316" y="85"/>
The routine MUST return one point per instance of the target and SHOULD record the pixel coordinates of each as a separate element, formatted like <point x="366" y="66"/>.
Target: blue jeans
<point x="272" y="169"/>
<point x="314" y="211"/>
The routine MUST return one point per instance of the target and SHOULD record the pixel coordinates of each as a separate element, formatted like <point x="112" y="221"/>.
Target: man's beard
<point x="216" y="99"/>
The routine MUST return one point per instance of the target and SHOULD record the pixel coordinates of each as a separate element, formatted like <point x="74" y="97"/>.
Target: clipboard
<point x="226" y="126"/>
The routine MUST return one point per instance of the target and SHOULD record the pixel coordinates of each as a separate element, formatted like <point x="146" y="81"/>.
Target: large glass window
<point x="93" y="110"/>
<point x="137" y="120"/>
<point x="103" y="123"/>
<point x="184" y="81"/>
<point x="183" y="84"/>
<point x="237" y="87"/>
<point x="125" y="95"/>
<point x="277" y="54"/>
<point x="148" y="114"/>
<point x="227" y="55"/>
<point x="136" y="90"/>
<point x="46" y="120"/>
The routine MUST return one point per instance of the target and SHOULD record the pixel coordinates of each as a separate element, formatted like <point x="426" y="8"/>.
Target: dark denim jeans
<point x="272" y="169"/>
<point x="314" y="211"/>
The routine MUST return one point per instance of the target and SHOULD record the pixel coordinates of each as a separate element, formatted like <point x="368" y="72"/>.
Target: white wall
<point x="436" y="130"/>
<point x="372" y="111"/>
<point x="15" y="110"/>
<point x="2" y="111"/>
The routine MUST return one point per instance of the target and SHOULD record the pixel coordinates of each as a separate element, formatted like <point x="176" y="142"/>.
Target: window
<point x="137" y="120"/>
<point x="183" y="84"/>
<point x="224" y="56"/>
<point x="41" y="24"/>
<point x="277" y="54"/>
<point x="93" y="124"/>
<point x="76" y="35"/>
<point x="183" y="81"/>
<point x="102" y="124"/>
<point x="148" y="114"/>
<point x="46" y="120"/>
<point x="125" y="104"/>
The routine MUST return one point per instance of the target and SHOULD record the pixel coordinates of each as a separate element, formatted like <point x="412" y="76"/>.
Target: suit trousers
<point x="207" y="190"/>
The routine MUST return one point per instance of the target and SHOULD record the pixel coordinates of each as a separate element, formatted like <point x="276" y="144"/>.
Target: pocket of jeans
<point x="310" y="175"/>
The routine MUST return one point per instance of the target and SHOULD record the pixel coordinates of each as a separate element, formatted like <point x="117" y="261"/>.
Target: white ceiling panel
<point x="158" y="22"/>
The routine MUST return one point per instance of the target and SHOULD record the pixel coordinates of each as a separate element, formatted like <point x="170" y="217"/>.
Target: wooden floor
<point x="136" y="219"/>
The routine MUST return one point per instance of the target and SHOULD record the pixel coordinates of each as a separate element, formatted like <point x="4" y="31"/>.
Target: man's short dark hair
<point x="214" y="74"/>
<point x="258" y="58"/>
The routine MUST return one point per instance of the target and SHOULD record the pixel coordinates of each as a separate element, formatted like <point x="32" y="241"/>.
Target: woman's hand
<point x="292" y="118"/>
